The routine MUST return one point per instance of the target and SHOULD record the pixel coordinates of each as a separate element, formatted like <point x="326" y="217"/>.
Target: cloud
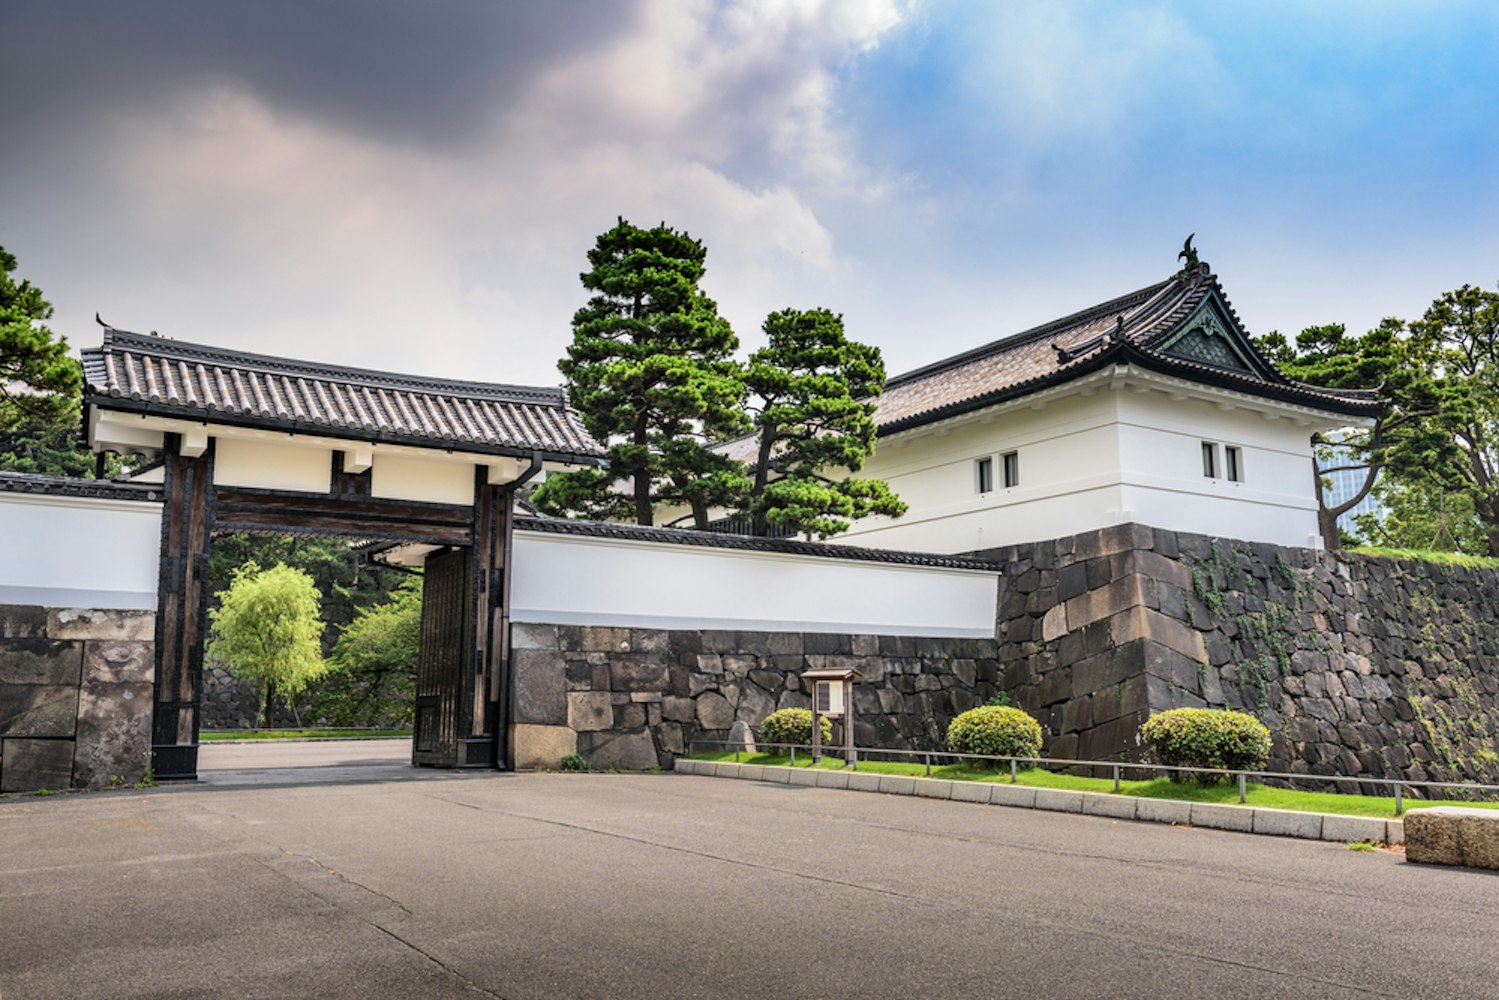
<point x="240" y="210"/>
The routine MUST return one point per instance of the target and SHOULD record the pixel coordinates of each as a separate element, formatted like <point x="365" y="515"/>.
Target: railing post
<point x="736" y="755"/>
<point x="1243" y="787"/>
<point x="1399" y="803"/>
<point x="793" y="755"/>
<point x="1013" y="771"/>
<point x="928" y="758"/>
<point x="1116" y="779"/>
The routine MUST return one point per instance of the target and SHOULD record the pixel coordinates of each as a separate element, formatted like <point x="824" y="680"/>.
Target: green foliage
<point x="1420" y="515"/>
<point x="50" y="445"/>
<point x="377" y="655"/>
<point x="1456" y="344"/>
<point x="266" y="628"/>
<point x="813" y="388"/>
<point x="793" y="725"/>
<point x="1207" y="737"/>
<point x="995" y="731"/>
<point x="1380" y="359"/>
<point x="999" y="700"/>
<point x="574" y="762"/>
<point x="650" y="372"/>
<point x="38" y="379"/>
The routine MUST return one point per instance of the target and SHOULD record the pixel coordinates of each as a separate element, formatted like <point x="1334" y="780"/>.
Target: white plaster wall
<point x="577" y="579"/>
<point x="414" y="477"/>
<point x="272" y="465"/>
<point x="70" y="552"/>
<point x="1123" y="453"/>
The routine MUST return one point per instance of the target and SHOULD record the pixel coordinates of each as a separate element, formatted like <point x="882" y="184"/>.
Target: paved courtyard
<point x="552" y="885"/>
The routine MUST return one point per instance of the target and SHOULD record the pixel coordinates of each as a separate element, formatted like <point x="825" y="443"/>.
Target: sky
<point x="414" y="187"/>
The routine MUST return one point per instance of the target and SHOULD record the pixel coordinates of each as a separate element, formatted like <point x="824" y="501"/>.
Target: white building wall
<point x="74" y="552"/>
<point x="271" y="465"/>
<point x="587" y="580"/>
<point x="1113" y="451"/>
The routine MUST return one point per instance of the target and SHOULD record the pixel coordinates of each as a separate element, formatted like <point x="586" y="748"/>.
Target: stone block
<point x="970" y="791"/>
<point x="28" y="765"/>
<point x="1452" y="835"/>
<point x="1163" y="811"/>
<point x="589" y="711"/>
<point x="754" y="705"/>
<point x="1351" y="828"/>
<point x="110" y="661"/>
<point x="1118" y="596"/>
<point x="863" y="781"/>
<point x="832" y="779"/>
<point x="677" y="709"/>
<point x="751" y="772"/>
<point x="801" y="776"/>
<point x="40" y="661"/>
<point x="1107" y="541"/>
<point x="114" y="734"/>
<point x="714" y="711"/>
<point x="895" y="784"/>
<point x="619" y="751"/>
<point x="23" y="621"/>
<point x="1219" y="817"/>
<point x="1054" y="623"/>
<point x="629" y="716"/>
<point x="538" y="747"/>
<point x="637" y="673"/>
<point x="524" y="635"/>
<point x="123" y="626"/>
<point x="598" y="639"/>
<point x="1112" y="806"/>
<point x="1286" y="823"/>
<point x="38" y="710"/>
<point x="1394" y="831"/>
<point x="934" y="788"/>
<point x="540" y="687"/>
<point x="684" y="766"/>
<point x="778" y="775"/>
<point x="1058" y="800"/>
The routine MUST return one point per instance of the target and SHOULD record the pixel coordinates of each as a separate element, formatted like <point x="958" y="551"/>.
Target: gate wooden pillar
<point x="181" y="609"/>
<point x="487" y="692"/>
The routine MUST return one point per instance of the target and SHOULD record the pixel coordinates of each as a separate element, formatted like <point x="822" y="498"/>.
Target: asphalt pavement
<point x="434" y="884"/>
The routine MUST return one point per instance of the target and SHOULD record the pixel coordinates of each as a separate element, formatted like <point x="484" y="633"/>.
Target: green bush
<point x="1207" y="737"/>
<point x="995" y="730"/>
<point x="793" y="725"/>
<point x="574" y="762"/>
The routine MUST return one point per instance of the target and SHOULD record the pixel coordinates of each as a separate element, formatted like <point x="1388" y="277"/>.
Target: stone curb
<point x="1212" y="816"/>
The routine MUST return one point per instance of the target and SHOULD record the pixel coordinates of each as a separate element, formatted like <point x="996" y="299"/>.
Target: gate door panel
<point x="446" y="637"/>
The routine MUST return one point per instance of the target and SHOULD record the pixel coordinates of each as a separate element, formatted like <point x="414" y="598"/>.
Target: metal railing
<point x="1116" y="767"/>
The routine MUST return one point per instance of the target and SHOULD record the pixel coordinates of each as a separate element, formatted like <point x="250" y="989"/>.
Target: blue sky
<point x="415" y="187"/>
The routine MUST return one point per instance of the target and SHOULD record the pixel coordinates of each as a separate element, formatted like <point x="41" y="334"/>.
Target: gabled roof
<point x="1183" y="326"/>
<point x="1145" y="327"/>
<point x="138" y="373"/>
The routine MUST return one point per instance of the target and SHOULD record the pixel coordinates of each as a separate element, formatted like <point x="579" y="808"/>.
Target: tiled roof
<point x="744" y="543"/>
<point x="140" y="373"/>
<point x="1129" y="329"/>
<point x="66" y="486"/>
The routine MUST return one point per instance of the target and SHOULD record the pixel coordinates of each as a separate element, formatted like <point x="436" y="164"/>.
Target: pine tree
<point x="814" y="388"/>
<point x="38" y="379"/>
<point x="650" y="372"/>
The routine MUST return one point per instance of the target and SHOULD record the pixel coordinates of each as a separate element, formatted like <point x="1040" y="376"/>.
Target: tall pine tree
<point x="813" y="388"/>
<point x="650" y="372"/>
<point x="38" y="379"/>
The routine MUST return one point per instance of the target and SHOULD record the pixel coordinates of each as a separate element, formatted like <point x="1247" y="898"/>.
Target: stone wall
<point x="75" y="697"/>
<point x="634" y="698"/>
<point x="1360" y="666"/>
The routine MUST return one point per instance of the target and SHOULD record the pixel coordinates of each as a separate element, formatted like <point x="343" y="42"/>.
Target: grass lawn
<point x="1158" y="788"/>
<point x="300" y="734"/>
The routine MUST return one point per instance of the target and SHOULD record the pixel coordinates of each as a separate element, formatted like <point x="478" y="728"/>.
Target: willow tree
<point x="650" y="371"/>
<point x="267" y="629"/>
<point x="813" y="414"/>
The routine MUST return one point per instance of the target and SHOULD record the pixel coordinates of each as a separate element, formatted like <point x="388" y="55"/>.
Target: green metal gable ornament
<point x="1189" y="257"/>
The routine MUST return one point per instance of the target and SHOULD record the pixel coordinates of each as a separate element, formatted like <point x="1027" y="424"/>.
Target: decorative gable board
<point x="1209" y="336"/>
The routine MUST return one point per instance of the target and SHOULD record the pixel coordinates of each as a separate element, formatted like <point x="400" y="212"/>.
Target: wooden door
<point x="446" y="626"/>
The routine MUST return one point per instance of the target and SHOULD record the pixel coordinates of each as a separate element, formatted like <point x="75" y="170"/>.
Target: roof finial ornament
<point x="1189" y="257"/>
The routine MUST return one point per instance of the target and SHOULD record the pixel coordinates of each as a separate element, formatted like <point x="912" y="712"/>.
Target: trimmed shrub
<point x="793" y="725"/>
<point x="1207" y="737"/>
<point x="996" y="730"/>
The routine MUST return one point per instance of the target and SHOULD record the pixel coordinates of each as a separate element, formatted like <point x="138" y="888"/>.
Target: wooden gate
<point x="447" y="634"/>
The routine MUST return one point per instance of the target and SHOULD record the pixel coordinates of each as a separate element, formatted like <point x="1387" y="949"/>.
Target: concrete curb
<point x="1240" y="819"/>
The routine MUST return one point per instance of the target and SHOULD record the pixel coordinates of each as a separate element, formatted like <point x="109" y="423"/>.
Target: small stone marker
<point x="741" y="737"/>
<point x="1451" y="835"/>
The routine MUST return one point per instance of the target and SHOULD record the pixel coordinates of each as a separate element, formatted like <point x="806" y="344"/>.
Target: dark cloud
<point x="430" y="73"/>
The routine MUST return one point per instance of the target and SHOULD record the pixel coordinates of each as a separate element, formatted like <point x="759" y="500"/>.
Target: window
<point x="984" y="470"/>
<point x="1210" y="459"/>
<point x="1011" y="460"/>
<point x="1233" y="465"/>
